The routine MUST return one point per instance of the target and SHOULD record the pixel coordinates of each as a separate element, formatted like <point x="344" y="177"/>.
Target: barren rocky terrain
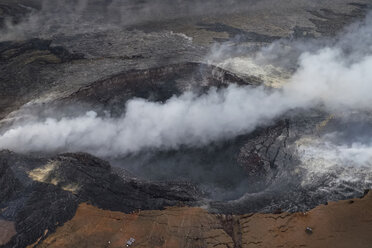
<point x="79" y="167"/>
<point x="342" y="224"/>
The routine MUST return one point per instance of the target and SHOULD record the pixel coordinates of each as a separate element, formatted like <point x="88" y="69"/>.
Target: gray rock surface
<point x="41" y="193"/>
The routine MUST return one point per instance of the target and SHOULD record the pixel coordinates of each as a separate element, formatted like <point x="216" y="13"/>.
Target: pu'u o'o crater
<point x="185" y="124"/>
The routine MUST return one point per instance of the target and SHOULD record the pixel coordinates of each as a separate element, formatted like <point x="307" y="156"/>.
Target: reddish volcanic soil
<point x="7" y="231"/>
<point x="339" y="224"/>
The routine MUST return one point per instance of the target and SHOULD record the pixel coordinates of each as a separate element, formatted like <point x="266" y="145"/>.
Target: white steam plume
<point x="329" y="77"/>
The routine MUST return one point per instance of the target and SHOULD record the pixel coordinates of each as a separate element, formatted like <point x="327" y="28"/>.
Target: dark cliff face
<point x="155" y="84"/>
<point x="42" y="193"/>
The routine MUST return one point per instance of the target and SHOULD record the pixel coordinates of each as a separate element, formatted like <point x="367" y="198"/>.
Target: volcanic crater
<point x="251" y="189"/>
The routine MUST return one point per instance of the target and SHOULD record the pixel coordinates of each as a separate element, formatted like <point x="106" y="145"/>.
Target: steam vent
<point x="185" y="123"/>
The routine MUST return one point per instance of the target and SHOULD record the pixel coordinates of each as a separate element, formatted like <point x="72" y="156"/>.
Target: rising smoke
<point x="336" y="77"/>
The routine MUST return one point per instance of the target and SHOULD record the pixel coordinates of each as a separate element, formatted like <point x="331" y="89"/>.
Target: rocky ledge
<point x="41" y="193"/>
<point x="337" y="224"/>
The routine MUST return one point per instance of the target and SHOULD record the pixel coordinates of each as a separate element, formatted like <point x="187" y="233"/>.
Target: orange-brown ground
<point x="341" y="224"/>
<point x="7" y="231"/>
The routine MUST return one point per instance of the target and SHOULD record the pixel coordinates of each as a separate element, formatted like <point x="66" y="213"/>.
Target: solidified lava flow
<point x="216" y="122"/>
